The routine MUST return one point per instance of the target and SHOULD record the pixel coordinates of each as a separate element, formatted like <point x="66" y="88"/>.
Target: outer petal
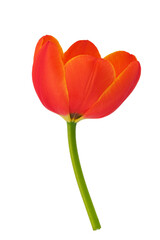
<point x="87" y="77"/>
<point x="116" y="93"/>
<point x="82" y="47"/>
<point x="49" y="79"/>
<point x="120" y="60"/>
<point x="46" y="39"/>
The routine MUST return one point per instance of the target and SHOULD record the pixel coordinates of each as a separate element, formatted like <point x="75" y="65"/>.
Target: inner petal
<point x="120" y="60"/>
<point x="82" y="47"/>
<point x="87" y="78"/>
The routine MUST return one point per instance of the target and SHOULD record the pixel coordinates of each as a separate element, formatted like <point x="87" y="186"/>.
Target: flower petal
<point x="82" y="47"/>
<point x="49" y="79"/>
<point x="45" y="39"/>
<point x="87" y="77"/>
<point x="120" y="60"/>
<point x="116" y="93"/>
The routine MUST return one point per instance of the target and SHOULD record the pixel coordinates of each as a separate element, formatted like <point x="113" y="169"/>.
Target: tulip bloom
<point x="79" y="84"/>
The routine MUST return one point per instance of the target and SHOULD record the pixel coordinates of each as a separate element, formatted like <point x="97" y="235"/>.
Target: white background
<point x="120" y="155"/>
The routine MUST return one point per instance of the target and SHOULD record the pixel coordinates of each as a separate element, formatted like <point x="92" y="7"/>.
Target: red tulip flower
<point x="79" y="84"/>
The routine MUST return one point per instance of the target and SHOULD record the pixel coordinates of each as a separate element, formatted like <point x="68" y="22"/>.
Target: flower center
<point x="75" y="116"/>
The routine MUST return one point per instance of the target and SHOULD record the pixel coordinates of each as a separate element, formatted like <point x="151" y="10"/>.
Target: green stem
<point x="71" y="126"/>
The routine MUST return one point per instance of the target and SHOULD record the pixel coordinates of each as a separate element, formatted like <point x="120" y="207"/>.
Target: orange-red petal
<point x="82" y="47"/>
<point x="87" y="77"/>
<point x="49" y="78"/>
<point x="45" y="39"/>
<point x="116" y="93"/>
<point x="120" y="60"/>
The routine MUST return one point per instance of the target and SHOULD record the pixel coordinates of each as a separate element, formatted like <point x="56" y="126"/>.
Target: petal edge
<point x="43" y="40"/>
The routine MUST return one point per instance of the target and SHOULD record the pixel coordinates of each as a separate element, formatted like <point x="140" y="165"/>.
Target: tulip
<point x="79" y="84"/>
